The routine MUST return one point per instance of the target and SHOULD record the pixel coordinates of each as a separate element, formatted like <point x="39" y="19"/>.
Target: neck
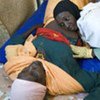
<point x="54" y="26"/>
<point x="70" y="34"/>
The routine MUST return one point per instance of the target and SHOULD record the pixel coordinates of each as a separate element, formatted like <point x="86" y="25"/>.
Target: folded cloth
<point x="81" y="52"/>
<point x="80" y="3"/>
<point x="27" y="90"/>
<point x="26" y="49"/>
<point x="89" y="23"/>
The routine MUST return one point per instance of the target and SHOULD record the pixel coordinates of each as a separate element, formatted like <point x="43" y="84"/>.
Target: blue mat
<point x="92" y="65"/>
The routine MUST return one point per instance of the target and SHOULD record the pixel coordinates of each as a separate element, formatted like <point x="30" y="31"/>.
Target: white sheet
<point x="89" y="24"/>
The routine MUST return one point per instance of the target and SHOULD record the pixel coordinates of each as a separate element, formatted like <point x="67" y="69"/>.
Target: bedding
<point x="38" y="18"/>
<point x="80" y="3"/>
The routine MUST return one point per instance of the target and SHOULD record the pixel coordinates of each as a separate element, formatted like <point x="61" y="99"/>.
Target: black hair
<point x="66" y="5"/>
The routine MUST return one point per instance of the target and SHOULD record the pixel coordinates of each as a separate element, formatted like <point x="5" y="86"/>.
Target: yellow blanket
<point x="80" y="3"/>
<point x="57" y="81"/>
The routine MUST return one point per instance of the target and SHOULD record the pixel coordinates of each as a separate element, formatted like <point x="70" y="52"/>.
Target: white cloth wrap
<point x="89" y="24"/>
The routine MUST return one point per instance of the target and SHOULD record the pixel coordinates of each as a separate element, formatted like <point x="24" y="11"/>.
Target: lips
<point x="72" y="28"/>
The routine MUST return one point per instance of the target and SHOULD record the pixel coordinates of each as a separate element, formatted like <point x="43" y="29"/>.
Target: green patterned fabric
<point x="4" y="35"/>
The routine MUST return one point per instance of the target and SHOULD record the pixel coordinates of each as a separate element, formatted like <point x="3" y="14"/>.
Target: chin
<point x="75" y="29"/>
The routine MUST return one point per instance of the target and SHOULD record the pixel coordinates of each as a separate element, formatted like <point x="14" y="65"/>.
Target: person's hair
<point x="66" y="5"/>
<point x="34" y="72"/>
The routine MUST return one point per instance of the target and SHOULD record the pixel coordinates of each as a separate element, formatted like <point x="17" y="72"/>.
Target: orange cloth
<point x="27" y="49"/>
<point x="80" y="3"/>
<point x="54" y="75"/>
<point x="49" y="10"/>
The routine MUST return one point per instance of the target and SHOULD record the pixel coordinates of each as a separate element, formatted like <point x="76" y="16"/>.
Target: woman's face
<point x="66" y="21"/>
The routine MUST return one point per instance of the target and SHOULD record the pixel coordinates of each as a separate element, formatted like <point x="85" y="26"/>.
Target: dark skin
<point x="34" y="72"/>
<point x="66" y="21"/>
<point x="54" y="26"/>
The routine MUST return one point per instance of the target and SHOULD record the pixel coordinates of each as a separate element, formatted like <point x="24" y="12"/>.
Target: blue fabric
<point x="92" y="65"/>
<point x="36" y="18"/>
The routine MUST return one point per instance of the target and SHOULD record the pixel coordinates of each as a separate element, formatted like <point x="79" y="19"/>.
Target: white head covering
<point x="89" y="24"/>
<point x="27" y="90"/>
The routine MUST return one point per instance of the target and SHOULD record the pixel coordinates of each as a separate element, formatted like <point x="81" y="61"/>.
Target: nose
<point x="67" y="24"/>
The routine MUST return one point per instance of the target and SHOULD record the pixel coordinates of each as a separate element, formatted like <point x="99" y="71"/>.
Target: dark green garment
<point x="60" y="54"/>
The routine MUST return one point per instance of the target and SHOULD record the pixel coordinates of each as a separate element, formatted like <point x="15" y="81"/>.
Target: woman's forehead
<point x="63" y="14"/>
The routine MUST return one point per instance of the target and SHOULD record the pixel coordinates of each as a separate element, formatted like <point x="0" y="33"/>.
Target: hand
<point x="81" y="52"/>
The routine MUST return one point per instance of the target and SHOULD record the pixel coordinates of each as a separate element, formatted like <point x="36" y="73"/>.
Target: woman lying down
<point x="45" y="63"/>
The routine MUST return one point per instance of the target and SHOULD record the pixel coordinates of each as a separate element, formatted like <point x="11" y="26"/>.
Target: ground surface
<point x="5" y="84"/>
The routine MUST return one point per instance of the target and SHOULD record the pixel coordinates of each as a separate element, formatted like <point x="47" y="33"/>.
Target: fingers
<point x="77" y="56"/>
<point x="75" y="49"/>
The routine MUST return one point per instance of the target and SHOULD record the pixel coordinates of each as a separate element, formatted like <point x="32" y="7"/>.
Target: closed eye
<point x="66" y="18"/>
<point x="61" y="24"/>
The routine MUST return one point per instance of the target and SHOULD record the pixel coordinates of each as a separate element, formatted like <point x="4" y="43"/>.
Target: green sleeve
<point x="94" y="95"/>
<point x="95" y="91"/>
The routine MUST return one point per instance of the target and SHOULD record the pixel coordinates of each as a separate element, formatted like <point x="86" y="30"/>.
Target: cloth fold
<point x="80" y="3"/>
<point x="27" y="90"/>
<point x="28" y="49"/>
<point x="89" y="31"/>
